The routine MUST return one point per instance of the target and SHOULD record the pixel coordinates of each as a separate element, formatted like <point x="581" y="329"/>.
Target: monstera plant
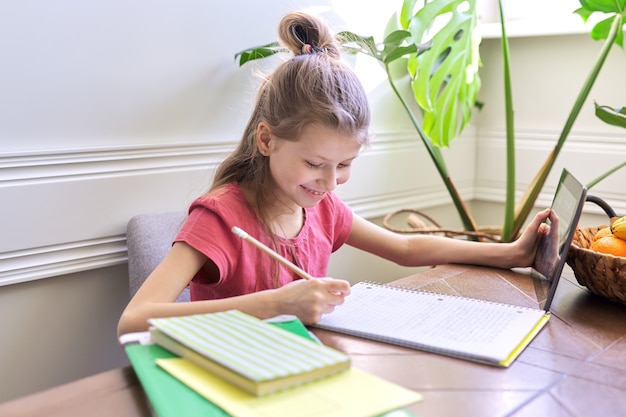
<point x="430" y="54"/>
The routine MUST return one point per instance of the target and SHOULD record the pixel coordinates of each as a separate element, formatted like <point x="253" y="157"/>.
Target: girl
<point x="309" y="123"/>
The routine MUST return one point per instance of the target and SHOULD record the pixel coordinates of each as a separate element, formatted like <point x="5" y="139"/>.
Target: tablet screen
<point x="553" y="246"/>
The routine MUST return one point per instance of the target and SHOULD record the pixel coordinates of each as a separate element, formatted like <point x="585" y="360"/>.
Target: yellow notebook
<point x="255" y="356"/>
<point x="353" y="393"/>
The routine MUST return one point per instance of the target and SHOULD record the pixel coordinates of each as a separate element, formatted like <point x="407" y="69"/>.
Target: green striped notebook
<point x="256" y="356"/>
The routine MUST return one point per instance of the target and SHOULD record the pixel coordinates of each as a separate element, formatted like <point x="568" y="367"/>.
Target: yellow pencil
<point x="295" y="268"/>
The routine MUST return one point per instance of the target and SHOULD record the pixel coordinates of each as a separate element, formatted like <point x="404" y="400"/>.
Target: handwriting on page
<point x="440" y="322"/>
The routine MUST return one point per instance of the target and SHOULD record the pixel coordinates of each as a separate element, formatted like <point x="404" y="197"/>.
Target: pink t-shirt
<point x="244" y="268"/>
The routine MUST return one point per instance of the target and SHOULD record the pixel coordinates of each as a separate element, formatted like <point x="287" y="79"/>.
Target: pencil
<point x="296" y="269"/>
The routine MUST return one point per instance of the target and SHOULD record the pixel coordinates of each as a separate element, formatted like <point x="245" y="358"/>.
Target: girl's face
<point x="305" y="170"/>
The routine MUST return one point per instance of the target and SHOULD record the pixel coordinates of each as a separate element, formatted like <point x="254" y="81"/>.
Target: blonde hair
<point x="313" y="87"/>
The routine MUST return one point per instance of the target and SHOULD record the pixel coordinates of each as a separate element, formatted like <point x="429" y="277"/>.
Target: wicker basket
<point x="602" y="274"/>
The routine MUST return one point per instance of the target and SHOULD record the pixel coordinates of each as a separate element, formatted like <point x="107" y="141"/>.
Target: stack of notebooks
<point x="249" y="353"/>
<point x="245" y="366"/>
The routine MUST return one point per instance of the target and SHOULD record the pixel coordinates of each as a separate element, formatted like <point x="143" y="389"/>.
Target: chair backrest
<point x="149" y="237"/>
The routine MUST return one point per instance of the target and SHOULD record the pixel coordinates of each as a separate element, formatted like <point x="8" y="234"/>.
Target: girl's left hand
<point x="528" y="241"/>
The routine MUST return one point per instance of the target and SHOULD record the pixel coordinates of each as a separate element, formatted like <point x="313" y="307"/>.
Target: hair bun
<point x="305" y="34"/>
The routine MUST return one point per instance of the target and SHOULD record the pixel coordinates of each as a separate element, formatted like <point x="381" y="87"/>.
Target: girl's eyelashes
<point x="312" y="165"/>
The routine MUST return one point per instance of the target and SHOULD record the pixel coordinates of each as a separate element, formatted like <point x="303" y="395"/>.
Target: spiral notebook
<point x="477" y="330"/>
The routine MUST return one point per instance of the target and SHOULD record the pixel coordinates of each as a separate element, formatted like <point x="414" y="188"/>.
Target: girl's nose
<point x="328" y="180"/>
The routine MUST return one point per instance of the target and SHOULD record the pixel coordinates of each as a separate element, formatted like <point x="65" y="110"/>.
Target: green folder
<point x="168" y="397"/>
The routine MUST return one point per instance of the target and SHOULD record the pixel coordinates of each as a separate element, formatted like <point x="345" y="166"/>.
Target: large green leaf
<point x="394" y="45"/>
<point x="602" y="29"/>
<point x="604" y="6"/>
<point x="445" y="78"/>
<point x="259" y="52"/>
<point x="615" y="117"/>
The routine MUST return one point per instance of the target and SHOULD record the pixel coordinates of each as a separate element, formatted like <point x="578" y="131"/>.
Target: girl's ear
<point x="263" y="138"/>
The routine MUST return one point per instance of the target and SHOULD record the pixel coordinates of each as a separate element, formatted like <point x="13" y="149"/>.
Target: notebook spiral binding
<point x="413" y="290"/>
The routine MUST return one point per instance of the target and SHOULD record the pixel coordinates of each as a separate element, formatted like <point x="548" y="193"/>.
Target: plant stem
<point x="606" y="174"/>
<point x="509" y="202"/>
<point x="435" y="154"/>
<point x="591" y="78"/>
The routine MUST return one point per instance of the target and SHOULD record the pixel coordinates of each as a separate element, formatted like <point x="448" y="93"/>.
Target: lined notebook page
<point x="473" y="329"/>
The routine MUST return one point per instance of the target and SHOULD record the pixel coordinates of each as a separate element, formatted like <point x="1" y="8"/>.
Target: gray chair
<point x="149" y="237"/>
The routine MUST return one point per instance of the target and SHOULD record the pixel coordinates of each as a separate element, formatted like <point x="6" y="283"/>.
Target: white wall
<point x="113" y="108"/>
<point x="547" y="75"/>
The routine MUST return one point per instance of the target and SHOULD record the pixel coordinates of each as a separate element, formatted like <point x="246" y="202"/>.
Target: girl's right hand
<point x="309" y="299"/>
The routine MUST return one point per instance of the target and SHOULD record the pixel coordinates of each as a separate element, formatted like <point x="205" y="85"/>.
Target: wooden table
<point x="576" y="366"/>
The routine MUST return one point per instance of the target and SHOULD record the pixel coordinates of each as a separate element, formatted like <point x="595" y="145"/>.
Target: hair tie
<point x="307" y="49"/>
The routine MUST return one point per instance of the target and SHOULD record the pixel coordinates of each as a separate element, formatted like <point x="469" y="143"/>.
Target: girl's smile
<point x="315" y="193"/>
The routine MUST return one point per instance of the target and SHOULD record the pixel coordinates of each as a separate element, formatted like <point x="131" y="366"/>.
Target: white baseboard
<point x="62" y="259"/>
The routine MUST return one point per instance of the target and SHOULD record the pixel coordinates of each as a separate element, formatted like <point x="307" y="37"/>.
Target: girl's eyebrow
<point x="323" y="158"/>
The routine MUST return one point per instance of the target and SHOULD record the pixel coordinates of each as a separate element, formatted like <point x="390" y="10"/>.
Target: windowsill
<point x="568" y="25"/>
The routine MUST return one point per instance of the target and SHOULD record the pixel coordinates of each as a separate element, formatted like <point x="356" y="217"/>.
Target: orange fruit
<point x="605" y="231"/>
<point x="609" y="244"/>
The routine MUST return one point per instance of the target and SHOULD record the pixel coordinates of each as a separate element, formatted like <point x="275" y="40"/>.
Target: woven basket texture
<point x="602" y="274"/>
